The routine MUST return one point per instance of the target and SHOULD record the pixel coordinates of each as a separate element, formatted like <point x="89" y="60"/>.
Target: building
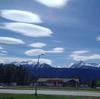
<point x="66" y="76"/>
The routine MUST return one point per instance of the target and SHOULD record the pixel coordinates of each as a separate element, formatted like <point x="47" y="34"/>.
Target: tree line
<point x="10" y="73"/>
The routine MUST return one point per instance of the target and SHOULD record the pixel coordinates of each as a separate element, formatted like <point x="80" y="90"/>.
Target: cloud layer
<point x="2" y="54"/>
<point x="21" y="16"/>
<point x="83" y="55"/>
<point x="37" y="45"/>
<point x="53" y="3"/>
<point x="98" y="38"/>
<point x="3" y="51"/>
<point x="56" y="50"/>
<point x="10" y="40"/>
<point x="34" y="52"/>
<point x="26" y="29"/>
<point x="1" y="48"/>
<point x="80" y="52"/>
<point x="18" y="59"/>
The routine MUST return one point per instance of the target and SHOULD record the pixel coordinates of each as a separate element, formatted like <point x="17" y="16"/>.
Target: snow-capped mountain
<point x="82" y="64"/>
<point x="44" y="65"/>
<point x="31" y="64"/>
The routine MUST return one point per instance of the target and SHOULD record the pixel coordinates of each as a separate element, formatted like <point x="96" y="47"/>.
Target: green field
<point x="17" y="96"/>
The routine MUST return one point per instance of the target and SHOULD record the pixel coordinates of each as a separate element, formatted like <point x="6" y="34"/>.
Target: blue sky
<point x="66" y="31"/>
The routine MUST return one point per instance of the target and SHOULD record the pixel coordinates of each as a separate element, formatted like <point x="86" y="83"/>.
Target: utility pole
<point x="38" y="63"/>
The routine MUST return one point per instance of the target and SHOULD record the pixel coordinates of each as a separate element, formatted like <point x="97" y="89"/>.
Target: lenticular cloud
<point x="26" y="29"/>
<point x="10" y="40"/>
<point x="34" y="52"/>
<point x="53" y="3"/>
<point x="37" y="45"/>
<point x="21" y="16"/>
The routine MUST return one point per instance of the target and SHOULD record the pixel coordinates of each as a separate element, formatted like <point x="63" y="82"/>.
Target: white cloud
<point x="43" y="60"/>
<point x="1" y="61"/>
<point x="34" y="52"/>
<point x="18" y="59"/>
<point x="53" y="3"/>
<point x="38" y="45"/>
<point x="2" y="54"/>
<point x="26" y="29"/>
<point x="79" y="55"/>
<point x="57" y="41"/>
<point x="1" y="48"/>
<point x="3" y="51"/>
<point x="98" y="38"/>
<point x="80" y="52"/>
<point x="10" y="40"/>
<point x="56" y="50"/>
<point x="21" y="16"/>
<point x="85" y="58"/>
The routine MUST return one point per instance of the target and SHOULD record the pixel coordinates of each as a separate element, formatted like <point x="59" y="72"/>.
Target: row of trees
<point x="20" y="74"/>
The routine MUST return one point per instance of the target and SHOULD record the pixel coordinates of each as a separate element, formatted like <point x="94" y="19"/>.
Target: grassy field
<point x="52" y="88"/>
<point x="13" y="96"/>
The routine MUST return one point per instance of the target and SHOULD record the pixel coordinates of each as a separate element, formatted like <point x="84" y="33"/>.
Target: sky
<point x="65" y="31"/>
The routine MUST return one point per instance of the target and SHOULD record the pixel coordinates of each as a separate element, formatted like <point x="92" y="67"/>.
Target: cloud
<point x="18" y="59"/>
<point x="57" y="41"/>
<point x="1" y="61"/>
<point x="2" y="54"/>
<point x="85" y="58"/>
<point x="56" y="50"/>
<point x="79" y="55"/>
<point x="10" y="40"/>
<point x="26" y="29"/>
<point x="53" y="3"/>
<point x="80" y="52"/>
<point x="3" y="51"/>
<point x="34" y="52"/>
<point x="21" y="16"/>
<point x="43" y="60"/>
<point x="98" y="38"/>
<point x="37" y="45"/>
<point x="1" y="48"/>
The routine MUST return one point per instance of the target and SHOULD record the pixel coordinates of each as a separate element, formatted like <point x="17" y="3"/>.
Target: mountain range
<point x="31" y="64"/>
<point x="80" y="64"/>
